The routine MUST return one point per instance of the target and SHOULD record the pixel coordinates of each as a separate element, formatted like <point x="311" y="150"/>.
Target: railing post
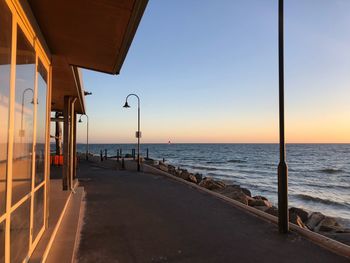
<point x="117" y="155"/>
<point x="101" y="155"/>
<point x="147" y="156"/>
<point x="123" y="163"/>
<point x="283" y="217"/>
<point x="105" y="154"/>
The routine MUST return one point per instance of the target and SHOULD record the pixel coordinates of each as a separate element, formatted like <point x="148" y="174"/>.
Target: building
<point x="42" y="46"/>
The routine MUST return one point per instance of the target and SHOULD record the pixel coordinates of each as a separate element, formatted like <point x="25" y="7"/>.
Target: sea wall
<point x="311" y="220"/>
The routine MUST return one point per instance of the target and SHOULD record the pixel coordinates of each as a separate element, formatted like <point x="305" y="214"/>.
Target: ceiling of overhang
<point x="66" y="82"/>
<point x="93" y="34"/>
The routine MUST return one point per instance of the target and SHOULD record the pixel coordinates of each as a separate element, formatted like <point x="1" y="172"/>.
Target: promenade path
<point x="139" y="217"/>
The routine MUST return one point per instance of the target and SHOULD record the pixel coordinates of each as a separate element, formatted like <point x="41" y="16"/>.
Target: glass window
<point x="38" y="211"/>
<point x="19" y="236"/>
<point x="24" y="108"/>
<point x="40" y="125"/>
<point x="5" y="65"/>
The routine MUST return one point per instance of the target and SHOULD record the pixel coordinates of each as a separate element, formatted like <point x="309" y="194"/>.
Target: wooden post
<point x="75" y="146"/>
<point x="105" y="154"/>
<point x="283" y="217"/>
<point x="117" y="155"/>
<point x="66" y="136"/>
<point x="71" y="144"/>
<point x="58" y="134"/>
<point x="101" y="155"/>
<point x="147" y="154"/>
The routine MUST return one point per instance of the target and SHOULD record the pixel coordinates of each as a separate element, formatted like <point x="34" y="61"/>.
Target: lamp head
<point x="126" y="105"/>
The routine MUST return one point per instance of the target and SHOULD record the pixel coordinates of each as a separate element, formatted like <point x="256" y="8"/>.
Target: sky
<point x="207" y="72"/>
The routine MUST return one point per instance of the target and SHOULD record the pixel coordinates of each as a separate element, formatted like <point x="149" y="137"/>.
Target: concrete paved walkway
<point x="138" y="217"/>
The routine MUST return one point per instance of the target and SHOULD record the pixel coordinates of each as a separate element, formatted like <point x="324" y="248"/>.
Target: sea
<point x="318" y="174"/>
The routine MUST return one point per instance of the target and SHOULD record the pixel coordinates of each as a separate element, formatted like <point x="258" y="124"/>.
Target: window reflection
<point x="19" y="236"/>
<point x="24" y="108"/>
<point x="5" y="64"/>
<point x="40" y="125"/>
<point x="38" y="211"/>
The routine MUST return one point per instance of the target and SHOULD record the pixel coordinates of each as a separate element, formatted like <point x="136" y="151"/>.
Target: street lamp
<point x="87" y="134"/>
<point x="138" y="133"/>
<point x="21" y="132"/>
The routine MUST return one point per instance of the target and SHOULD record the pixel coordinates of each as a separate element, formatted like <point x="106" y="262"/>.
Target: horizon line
<point x="212" y="143"/>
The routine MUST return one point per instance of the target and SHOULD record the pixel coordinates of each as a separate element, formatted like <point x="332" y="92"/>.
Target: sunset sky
<point x="206" y="71"/>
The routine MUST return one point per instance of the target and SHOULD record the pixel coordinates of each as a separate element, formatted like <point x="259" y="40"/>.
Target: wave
<point x="214" y="162"/>
<point x="331" y="171"/>
<point x="236" y="161"/>
<point x="320" y="200"/>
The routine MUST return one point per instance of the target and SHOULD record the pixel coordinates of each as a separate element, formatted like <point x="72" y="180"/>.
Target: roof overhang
<point x="92" y="34"/>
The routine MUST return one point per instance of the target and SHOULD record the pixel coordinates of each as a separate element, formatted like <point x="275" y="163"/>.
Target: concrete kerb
<point x="323" y="241"/>
<point x="79" y="228"/>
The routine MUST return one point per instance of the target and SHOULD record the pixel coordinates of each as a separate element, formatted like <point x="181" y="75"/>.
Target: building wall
<point x="24" y="125"/>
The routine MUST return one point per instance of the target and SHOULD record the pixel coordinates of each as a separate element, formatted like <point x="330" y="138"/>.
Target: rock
<point x="235" y="193"/>
<point x="246" y="191"/>
<point x="163" y="167"/>
<point x="259" y="202"/>
<point x="272" y="211"/>
<point x="185" y="175"/>
<point x="295" y="219"/>
<point x="304" y="216"/>
<point x="329" y="224"/>
<point x="199" y="177"/>
<point x="210" y="184"/>
<point x="172" y="169"/>
<point x="314" y="219"/>
<point x="192" y="178"/>
<point x="259" y="197"/>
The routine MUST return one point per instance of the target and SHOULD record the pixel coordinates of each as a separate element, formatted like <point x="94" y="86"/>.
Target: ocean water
<point x="319" y="174"/>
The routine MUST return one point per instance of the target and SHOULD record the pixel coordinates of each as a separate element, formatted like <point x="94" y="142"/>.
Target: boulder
<point x="259" y="197"/>
<point x="246" y="191"/>
<point x="272" y="211"/>
<point x="192" y="178"/>
<point x="304" y="216"/>
<point x="314" y="219"/>
<point x="171" y="169"/>
<point x="163" y="167"/>
<point x="184" y="175"/>
<point x="329" y="224"/>
<point x="211" y="184"/>
<point x="199" y="177"/>
<point x="259" y="202"/>
<point x="235" y="193"/>
<point x="295" y="219"/>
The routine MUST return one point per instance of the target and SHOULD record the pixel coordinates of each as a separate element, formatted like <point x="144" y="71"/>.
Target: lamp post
<point x="87" y="134"/>
<point x="283" y="217"/>
<point x="21" y="132"/>
<point x="138" y="133"/>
